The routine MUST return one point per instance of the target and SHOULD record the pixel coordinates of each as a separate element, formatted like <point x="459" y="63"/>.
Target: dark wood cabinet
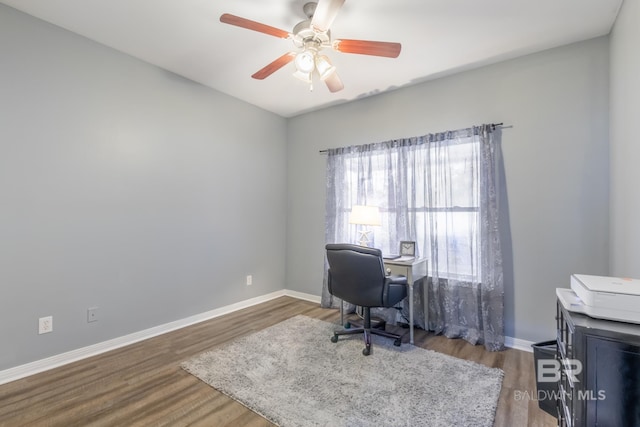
<point x="599" y="371"/>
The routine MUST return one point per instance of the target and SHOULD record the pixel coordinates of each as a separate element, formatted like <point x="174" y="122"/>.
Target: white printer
<point x="601" y="297"/>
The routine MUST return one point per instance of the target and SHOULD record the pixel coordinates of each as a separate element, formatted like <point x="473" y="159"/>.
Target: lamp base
<point x="364" y="238"/>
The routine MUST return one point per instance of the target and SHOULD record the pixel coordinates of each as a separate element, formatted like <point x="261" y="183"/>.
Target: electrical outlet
<point x="249" y="280"/>
<point x="45" y="325"/>
<point x="92" y="314"/>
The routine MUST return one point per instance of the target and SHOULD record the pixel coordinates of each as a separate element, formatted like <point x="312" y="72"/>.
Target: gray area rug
<point x="293" y="375"/>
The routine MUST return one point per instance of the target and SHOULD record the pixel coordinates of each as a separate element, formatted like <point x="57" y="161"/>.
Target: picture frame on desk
<point x="407" y="248"/>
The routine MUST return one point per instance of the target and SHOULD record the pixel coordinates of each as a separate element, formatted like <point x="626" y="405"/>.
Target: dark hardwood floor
<point x="143" y="385"/>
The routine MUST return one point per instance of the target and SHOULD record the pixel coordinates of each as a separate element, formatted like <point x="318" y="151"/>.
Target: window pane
<point x="455" y="234"/>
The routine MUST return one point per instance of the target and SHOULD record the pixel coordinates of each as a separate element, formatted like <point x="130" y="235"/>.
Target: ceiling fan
<point x="310" y="37"/>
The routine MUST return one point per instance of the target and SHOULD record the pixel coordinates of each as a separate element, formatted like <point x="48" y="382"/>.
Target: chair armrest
<point x="396" y="279"/>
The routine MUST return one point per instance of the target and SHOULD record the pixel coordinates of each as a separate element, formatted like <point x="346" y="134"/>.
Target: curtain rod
<point x="493" y="125"/>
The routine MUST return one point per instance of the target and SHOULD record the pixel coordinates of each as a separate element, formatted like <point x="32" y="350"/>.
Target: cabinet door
<point x="612" y="392"/>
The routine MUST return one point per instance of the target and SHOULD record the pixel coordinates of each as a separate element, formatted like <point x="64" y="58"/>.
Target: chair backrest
<point x="356" y="274"/>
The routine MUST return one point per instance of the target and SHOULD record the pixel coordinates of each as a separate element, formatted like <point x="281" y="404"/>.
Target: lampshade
<point x="305" y="77"/>
<point x="324" y="67"/>
<point x="365" y="215"/>
<point x="305" y="61"/>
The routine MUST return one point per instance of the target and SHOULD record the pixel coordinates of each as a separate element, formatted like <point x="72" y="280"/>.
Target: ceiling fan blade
<point x="253" y="25"/>
<point x="365" y="47"/>
<point x="274" y="66"/>
<point x="326" y="11"/>
<point x="334" y="83"/>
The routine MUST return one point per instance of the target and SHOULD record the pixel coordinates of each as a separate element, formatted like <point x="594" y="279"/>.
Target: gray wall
<point x="625" y="143"/>
<point x="125" y="187"/>
<point x="556" y="163"/>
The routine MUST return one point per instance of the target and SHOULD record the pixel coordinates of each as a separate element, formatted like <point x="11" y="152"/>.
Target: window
<point x="428" y="193"/>
<point x="441" y="191"/>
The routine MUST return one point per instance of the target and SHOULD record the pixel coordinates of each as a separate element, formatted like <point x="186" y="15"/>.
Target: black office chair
<point x="357" y="276"/>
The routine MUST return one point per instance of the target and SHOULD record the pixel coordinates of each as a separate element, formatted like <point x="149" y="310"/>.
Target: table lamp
<point x="364" y="216"/>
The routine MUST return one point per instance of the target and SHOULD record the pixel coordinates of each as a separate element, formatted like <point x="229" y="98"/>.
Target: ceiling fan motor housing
<point x="304" y="35"/>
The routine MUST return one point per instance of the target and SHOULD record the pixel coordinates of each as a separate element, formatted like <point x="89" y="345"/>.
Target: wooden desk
<point x="414" y="270"/>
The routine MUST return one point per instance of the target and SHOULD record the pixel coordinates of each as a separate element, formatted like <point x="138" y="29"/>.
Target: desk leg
<point x="410" y="283"/>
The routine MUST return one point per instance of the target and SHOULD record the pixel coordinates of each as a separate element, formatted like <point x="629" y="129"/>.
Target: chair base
<point x="367" y="330"/>
<point x="376" y="323"/>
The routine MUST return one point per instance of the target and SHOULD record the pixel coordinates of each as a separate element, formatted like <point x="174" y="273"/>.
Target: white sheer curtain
<point x="439" y="190"/>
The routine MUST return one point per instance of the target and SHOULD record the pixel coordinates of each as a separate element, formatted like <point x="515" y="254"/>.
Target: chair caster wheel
<point x="366" y="351"/>
<point x="347" y="325"/>
<point x="397" y="342"/>
<point x="334" y="338"/>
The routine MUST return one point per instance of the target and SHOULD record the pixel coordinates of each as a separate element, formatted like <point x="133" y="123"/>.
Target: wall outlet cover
<point x="92" y="314"/>
<point x="45" y="325"/>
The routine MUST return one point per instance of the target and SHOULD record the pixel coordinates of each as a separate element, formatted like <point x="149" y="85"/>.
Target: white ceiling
<point x="438" y="37"/>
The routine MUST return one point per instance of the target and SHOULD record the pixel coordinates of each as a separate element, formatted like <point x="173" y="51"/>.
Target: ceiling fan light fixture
<point x="324" y="67"/>
<point x="305" y="77"/>
<point x="305" y="61"/>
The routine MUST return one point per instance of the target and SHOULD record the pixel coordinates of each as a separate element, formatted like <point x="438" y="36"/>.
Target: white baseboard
<point x="303" y="296"/>
<point x="42" y="365"/>
<point x="48" y="363"/>
<point x="518" y="344"/>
